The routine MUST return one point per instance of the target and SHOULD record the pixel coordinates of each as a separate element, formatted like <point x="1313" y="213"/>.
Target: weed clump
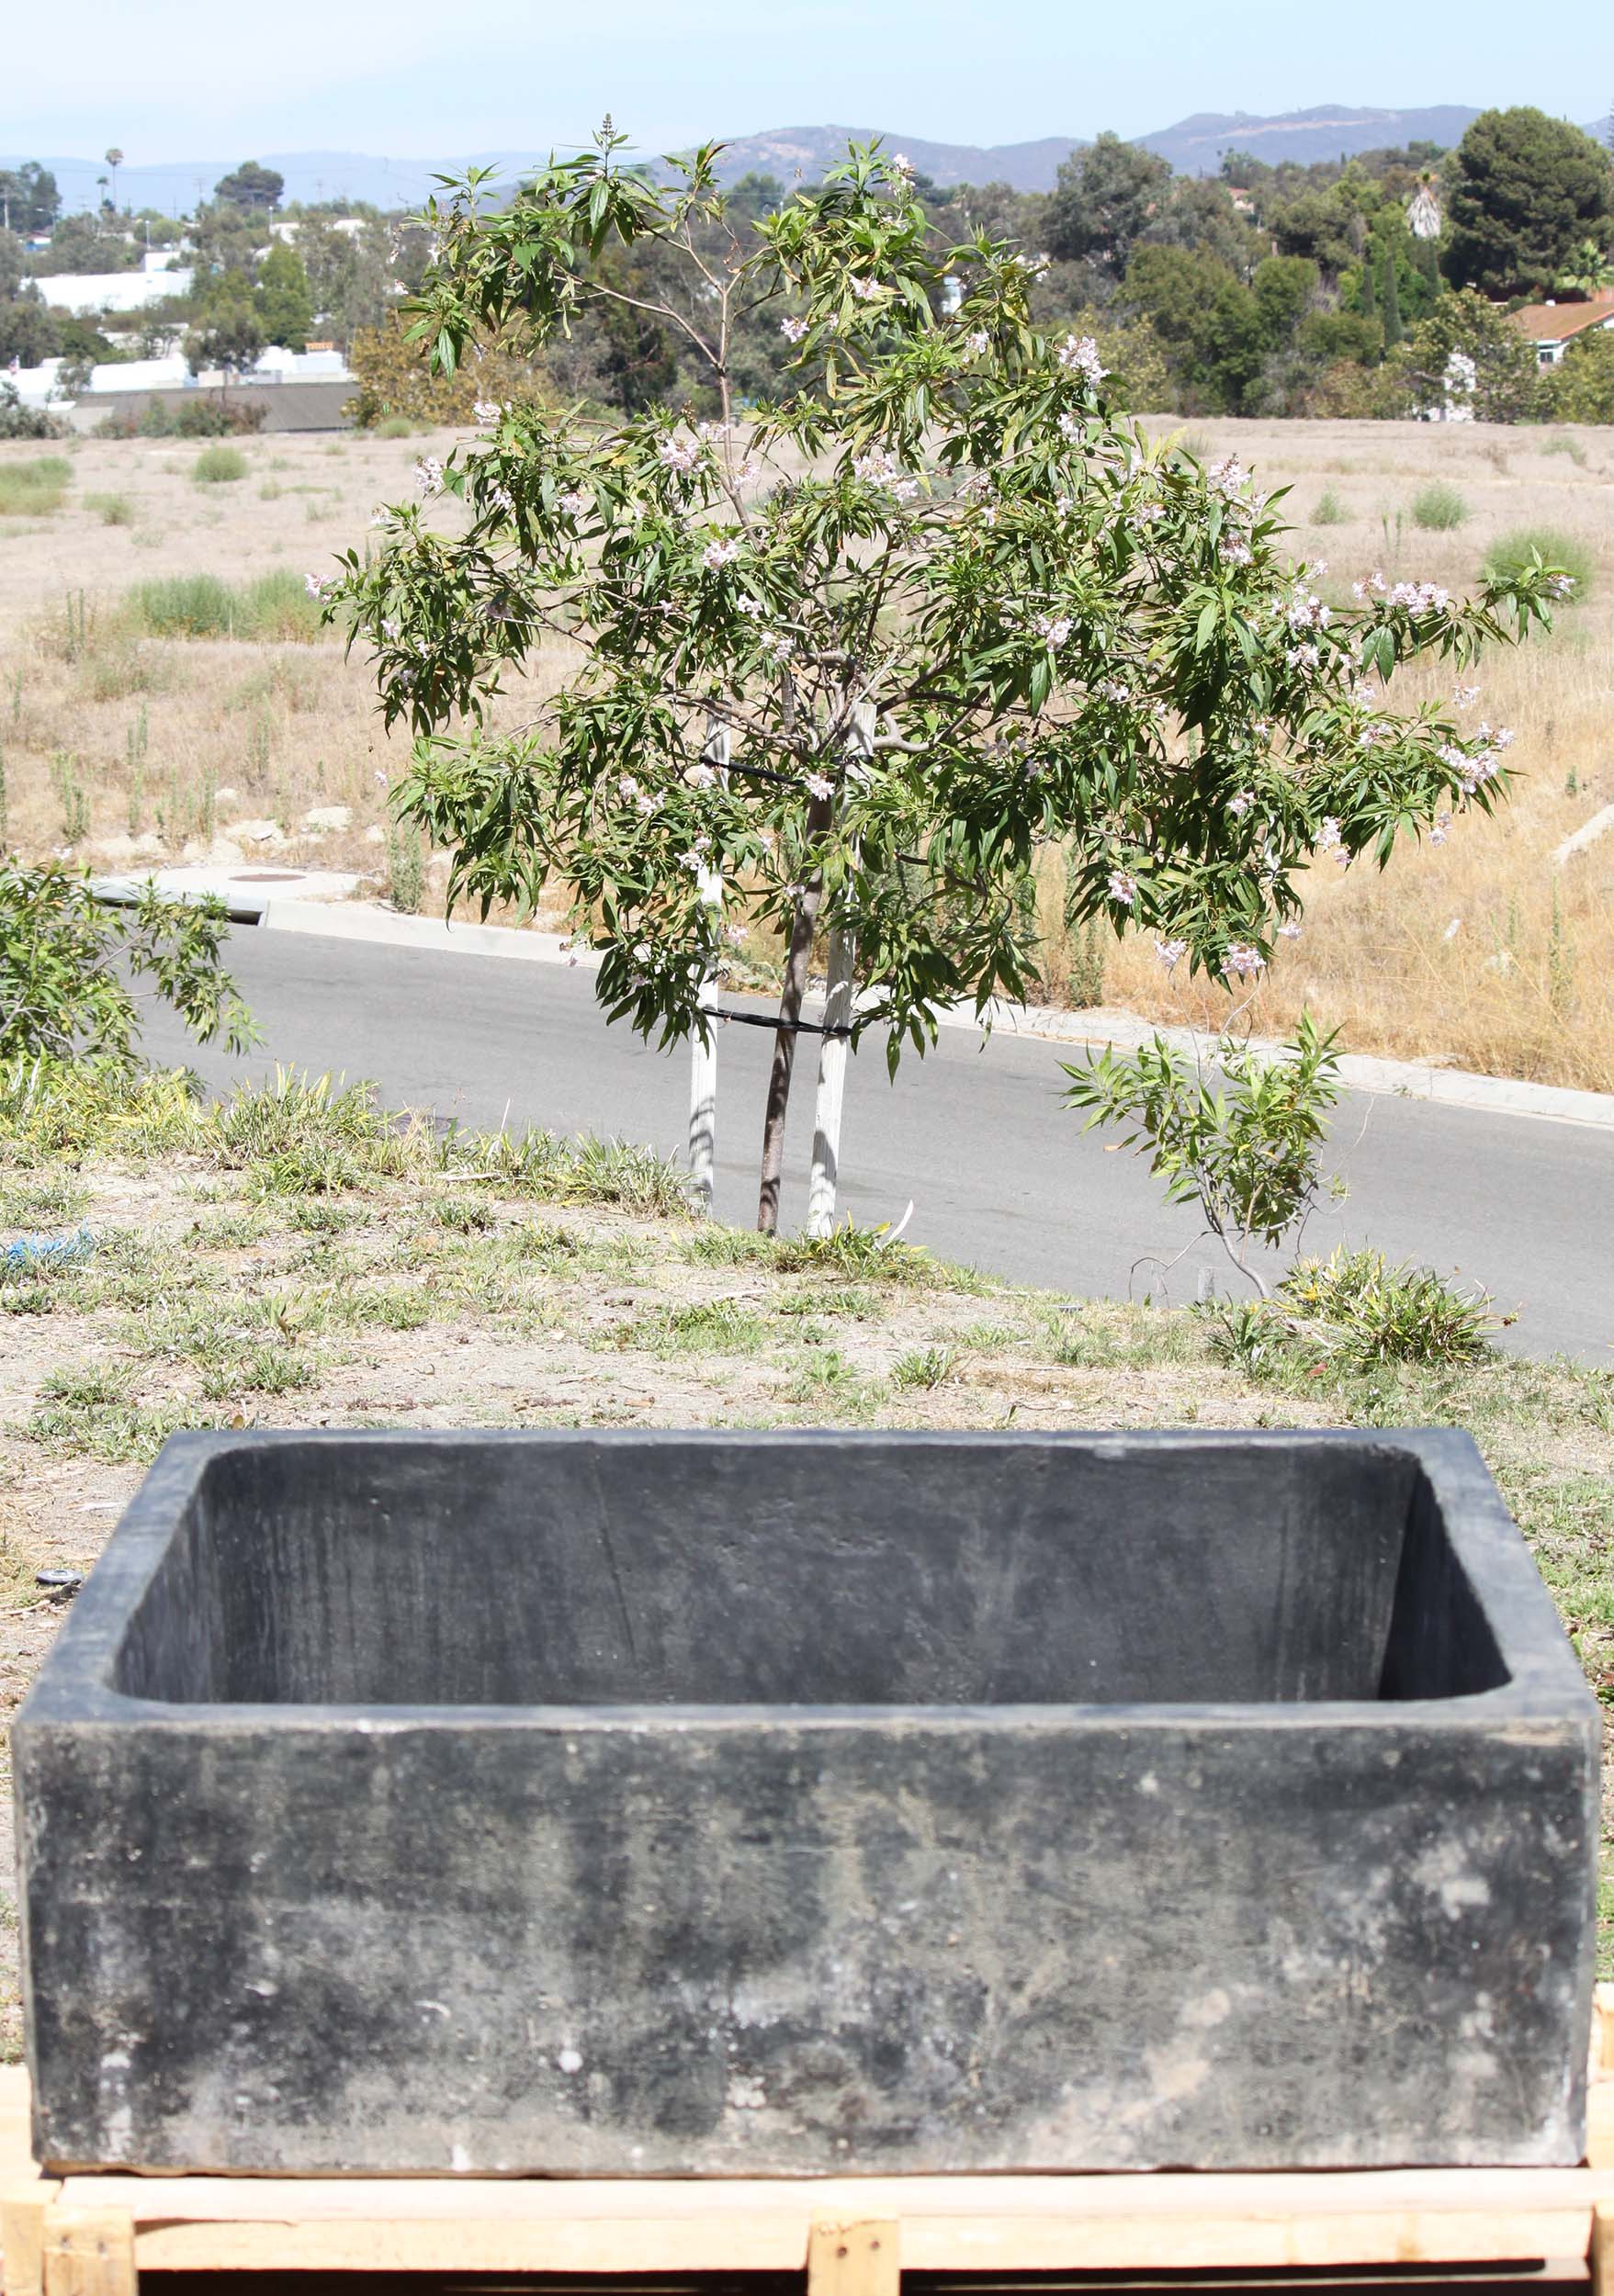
<point x="1439" y="508"/>
<point x="219" y="466"/>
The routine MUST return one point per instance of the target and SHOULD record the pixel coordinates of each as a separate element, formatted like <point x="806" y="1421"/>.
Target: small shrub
<point x="66" y="959"/>
<point x="394" y="426"/>
<point x="212" y="418"/>
<point x="219" y="466"/>
<point x="1513" y="551"/>
<point x="20" y="422"/>
<point x="1355" y="1310"/>
<point x="406" y="870"/>
<point x="1330" y="510"/>
<point x="112" y="509"/>
<point x="33" y="489"/>
<point x="1438" y="508"/>
<point x="275" y="607"/>
<point x="1564" y="443"/>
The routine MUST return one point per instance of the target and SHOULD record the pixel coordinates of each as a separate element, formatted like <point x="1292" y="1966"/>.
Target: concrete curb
<point x="1358" y="1072"/>
<point x="1413" y="1080"/>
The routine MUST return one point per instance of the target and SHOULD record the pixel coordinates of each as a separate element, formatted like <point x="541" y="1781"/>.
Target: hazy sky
<point x="176" y="79"/>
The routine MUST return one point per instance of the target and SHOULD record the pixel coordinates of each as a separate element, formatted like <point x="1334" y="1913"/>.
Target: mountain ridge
<point x="1194" y="145"/>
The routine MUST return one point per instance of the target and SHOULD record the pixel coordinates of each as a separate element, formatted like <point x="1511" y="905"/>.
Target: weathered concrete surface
<point x="720" y="1803"/>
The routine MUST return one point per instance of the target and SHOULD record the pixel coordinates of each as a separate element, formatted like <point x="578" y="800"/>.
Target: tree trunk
<point x="790" y="1002"/>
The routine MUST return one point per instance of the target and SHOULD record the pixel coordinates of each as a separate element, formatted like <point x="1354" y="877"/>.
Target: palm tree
<point x="1589" y="270"/>
<point x="115" y="160"/>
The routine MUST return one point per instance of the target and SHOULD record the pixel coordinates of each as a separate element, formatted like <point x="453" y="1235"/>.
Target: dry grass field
<point x="121" y="745"/>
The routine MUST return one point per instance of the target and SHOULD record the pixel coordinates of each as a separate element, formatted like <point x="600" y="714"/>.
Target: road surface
<point x="999" y="1172"/>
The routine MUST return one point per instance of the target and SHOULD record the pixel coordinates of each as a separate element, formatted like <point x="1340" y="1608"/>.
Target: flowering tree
<point x="848" y="667"/>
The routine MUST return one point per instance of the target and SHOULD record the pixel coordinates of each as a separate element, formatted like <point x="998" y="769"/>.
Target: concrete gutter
<point x="1415" y="1080"/>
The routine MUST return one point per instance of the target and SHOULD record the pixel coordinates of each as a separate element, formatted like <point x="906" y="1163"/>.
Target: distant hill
<point x="804" y="152"/>
<point x="1194" y="146"/>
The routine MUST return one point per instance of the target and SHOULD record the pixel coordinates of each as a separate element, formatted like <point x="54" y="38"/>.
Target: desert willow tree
<point x="843" y="669"/>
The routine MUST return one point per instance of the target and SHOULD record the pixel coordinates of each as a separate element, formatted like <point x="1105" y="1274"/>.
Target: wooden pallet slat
<point x="92" y="2235"/>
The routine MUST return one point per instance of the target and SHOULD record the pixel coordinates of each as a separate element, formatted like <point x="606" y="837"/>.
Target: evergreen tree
<point x="1525" y="190"/>
<point x="1366" y="296"/>
<point x="1394" y="330"/>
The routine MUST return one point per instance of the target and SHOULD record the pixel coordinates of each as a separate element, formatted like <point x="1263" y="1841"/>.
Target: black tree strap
<point x="767" y="1020"/>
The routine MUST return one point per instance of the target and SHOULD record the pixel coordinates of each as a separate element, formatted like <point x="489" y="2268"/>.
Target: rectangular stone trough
<point x="731" y="1804"/>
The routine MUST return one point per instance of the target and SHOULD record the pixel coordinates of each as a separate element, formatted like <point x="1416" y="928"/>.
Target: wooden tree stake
<point x="702" y="1057"/>
<point x="838" y="1004"/>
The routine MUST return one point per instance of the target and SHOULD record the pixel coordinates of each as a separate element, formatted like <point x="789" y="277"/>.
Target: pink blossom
<point x="1421" y="597"/>
<point x="679" y="453"/>
<point x="428" y="474"/>
<point x="793" y="329"/>
<point x="817" y="786"/>
<point x="717" y="555"/>
<point x="1122" y="887"/>
<point x="1442" y="825"/>
<point x="1244" y="960"/>
<point x="578" y="502"/>
<point x="318" y="584"/>
<point x="1238" y="807"/>
<point x="1289" y="932"/>
<point x="1080" y="353"/>
<point x="1053" y="629"/>
<point x="488" y="412"/>
<point x="1170" y="952"/>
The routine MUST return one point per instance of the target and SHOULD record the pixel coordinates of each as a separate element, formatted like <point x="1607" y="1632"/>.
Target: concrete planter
<point x="810" y="1803"/>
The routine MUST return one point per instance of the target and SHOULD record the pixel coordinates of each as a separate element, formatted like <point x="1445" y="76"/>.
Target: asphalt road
<point x="999" y="1172"/>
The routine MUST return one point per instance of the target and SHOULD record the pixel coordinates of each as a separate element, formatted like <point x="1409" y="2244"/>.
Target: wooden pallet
<point x="93" y="2235"/>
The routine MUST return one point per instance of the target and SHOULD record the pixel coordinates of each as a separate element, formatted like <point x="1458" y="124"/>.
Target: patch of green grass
<point x="1564" y="443"/>
<point x="219" y="465"/>
<point x="393" y="426"/>
<point x="112" y="509"/>
<point x="855" y="1301"/>
<point x="34" y="489"/>
<point x="1511" y="553"/>
<point x="1330" y="510"/>
<point x="97" y="1414"/>
<point x="231" y="1231"/>
<point x="1438" y="508"/>
<point x="708" y="1327"/>
<point x="389" y="1307"/>
<point x="871" y="1253"/>
<point x="270" y="1368"/>
<point x="714" y="1245"/>
<point x="275" y="607"/>
<point x="924" y="1366"/>
<point x="320" y="1217"/>
<point x="464" y="1215"/>
<point x="34" y="1204"/>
